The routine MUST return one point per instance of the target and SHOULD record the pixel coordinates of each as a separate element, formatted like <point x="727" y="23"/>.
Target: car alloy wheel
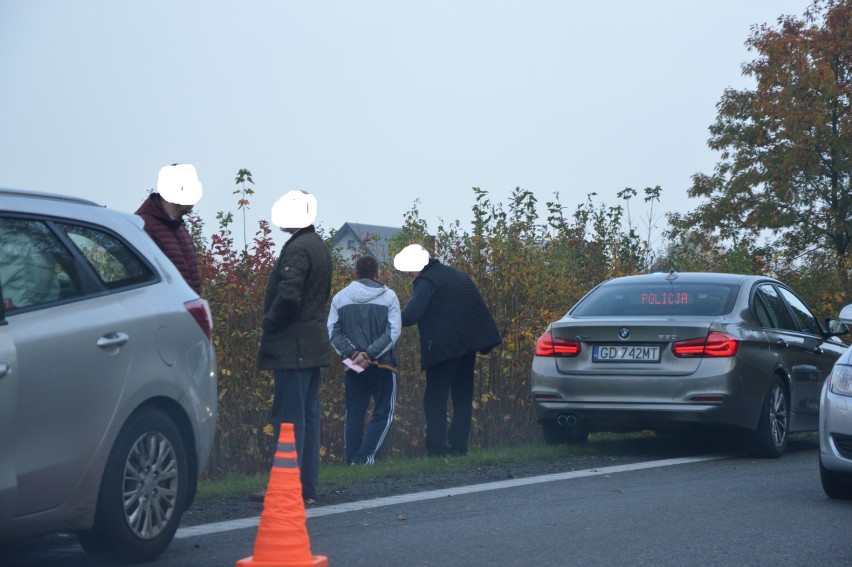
<point x="770" y="439"/>
<point x="143" y="491"/>
<point x="778" y="415"/>
<point x="150" y="485"/>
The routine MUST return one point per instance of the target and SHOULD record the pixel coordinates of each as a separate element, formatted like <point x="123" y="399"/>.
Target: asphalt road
<point x="719" y="511"/>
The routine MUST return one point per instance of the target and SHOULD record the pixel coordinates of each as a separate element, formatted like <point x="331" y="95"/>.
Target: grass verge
<point x="340" y="474"/>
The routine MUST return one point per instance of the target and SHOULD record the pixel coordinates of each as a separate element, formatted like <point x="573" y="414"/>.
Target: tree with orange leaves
<point x="786" y="144"/>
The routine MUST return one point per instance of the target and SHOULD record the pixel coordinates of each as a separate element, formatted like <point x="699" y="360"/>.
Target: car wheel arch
<point x="110" y="538"/>
<point x="182" y="420"/>
<point x="761" y="390"/>
<point x="786" y="381"/>
<point x="763" y="443"/>
<point x="780" y="372"/>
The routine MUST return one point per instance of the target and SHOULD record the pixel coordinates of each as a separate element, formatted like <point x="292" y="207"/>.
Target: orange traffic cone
<point x="282" y="538"/>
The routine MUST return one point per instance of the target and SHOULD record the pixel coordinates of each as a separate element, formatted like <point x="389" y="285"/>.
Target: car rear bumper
<point x="715" y="395"/>
<point x="638" y="416"/>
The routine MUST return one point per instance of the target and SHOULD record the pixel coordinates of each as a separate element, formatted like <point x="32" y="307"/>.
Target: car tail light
<point x="548" y="345"/>
<point x="714" y="345"/>
<point x="200" y="311"/>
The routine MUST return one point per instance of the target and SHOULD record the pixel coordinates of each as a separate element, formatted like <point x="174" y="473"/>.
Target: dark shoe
<point x="257" y="496"/>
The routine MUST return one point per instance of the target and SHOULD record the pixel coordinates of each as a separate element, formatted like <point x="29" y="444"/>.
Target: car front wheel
<point x="143" y="491"/>
<point x="770" y="439"/>
<point x="835" y="485"/>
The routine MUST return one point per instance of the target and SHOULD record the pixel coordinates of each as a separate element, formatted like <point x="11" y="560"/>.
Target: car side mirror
<point x="836" y="327"/>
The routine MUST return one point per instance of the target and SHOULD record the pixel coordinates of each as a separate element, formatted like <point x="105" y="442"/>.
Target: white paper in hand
<point x="352" y="366"/>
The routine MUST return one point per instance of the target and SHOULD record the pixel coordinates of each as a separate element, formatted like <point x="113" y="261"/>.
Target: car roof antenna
<point x="672" y="275"/>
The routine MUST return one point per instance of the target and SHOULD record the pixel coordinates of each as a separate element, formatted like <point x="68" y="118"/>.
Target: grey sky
<point x="369" y="105"/>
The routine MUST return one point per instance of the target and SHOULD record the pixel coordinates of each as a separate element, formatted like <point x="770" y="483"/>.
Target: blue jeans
<point x="296" y="401"/>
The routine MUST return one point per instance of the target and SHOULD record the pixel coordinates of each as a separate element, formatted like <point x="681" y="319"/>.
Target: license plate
<point x="621" y="353"/>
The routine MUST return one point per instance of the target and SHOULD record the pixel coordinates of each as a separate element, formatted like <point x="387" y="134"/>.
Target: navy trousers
<point x="376" y="384"/>
<point x="449" y="379"/>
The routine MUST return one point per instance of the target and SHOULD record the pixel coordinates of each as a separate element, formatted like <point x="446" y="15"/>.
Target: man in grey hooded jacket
<point x="364" y="325"/>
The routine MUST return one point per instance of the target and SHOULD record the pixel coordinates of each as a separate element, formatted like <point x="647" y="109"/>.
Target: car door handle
<point x="782" y="343"/>
<point x="817" y="350"/>
<point x="113" y="340"/>
<point x="4" y="369"/>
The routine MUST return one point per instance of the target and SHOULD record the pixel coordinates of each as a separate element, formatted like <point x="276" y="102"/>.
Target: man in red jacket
<point x="178" y="190"/>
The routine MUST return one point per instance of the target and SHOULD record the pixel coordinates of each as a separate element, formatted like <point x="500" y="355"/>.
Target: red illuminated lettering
<point x="666" y="298"/>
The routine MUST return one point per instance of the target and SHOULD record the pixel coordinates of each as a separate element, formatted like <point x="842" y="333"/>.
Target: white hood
<point x="361" y="292"/>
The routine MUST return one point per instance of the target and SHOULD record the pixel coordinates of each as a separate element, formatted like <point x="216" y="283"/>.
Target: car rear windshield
<point x="654" y="299"/>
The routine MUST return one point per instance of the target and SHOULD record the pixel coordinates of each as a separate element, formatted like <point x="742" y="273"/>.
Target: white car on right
<point x="835" y="425"/>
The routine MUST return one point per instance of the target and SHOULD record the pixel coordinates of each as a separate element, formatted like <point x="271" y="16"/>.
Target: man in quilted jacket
<point x="178" y="191"/>
<point x="295" y="342"/>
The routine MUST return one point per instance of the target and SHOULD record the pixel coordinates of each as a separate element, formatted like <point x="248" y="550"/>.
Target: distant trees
<point x="786" y="147"/>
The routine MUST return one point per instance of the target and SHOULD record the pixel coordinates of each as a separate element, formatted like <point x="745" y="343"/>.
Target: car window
<point x="654" y="299"/>
<point x="770" y="310"/>
<point x="114" y="262"/>
<point x="805" y="319"/>
<point x="762" y="313"/>
<point x="35" y="268"/>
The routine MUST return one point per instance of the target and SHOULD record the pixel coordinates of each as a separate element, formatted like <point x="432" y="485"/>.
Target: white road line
<point x="207" y="529"/>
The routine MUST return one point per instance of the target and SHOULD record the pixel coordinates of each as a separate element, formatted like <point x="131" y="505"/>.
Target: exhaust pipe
<point x="567" y="419"/>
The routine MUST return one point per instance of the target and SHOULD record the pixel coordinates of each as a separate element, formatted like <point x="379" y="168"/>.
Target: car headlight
<point x="840" y="380"/>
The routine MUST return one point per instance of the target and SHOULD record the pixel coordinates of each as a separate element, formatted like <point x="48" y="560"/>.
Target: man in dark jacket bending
<point x="295" y="343"/>
<point x="178" y="191"/>
<point x="454" y="325"/>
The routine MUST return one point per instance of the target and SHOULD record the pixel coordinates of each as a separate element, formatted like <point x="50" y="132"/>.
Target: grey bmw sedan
<point x="684" y="351"/>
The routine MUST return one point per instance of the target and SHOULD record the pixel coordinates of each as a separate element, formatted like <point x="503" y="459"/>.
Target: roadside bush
<point x="529" y="271"/>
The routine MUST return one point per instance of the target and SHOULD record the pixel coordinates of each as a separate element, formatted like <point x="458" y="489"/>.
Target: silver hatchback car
<point x="107" y="379"/>
<point x="835" y="425"/>
<point x="666" y="351"/>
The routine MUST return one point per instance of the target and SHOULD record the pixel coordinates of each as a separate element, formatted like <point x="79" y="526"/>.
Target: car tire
<point x="770" y="439"/>
<point x="555" y="434"/>
<point x="143" y="491"/>
<point x="835" y="485"/>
